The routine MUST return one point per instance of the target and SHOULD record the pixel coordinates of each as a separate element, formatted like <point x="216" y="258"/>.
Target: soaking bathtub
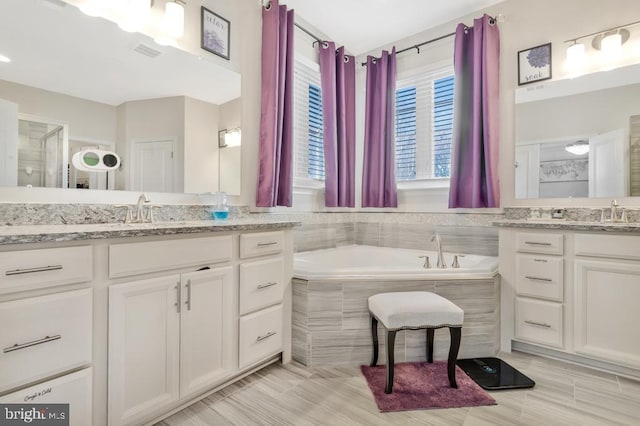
<point x="331" y="288"/>
<point x="369" y="262"/>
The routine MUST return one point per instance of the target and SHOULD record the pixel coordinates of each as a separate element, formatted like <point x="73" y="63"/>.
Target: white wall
<point x="200" y="146"/>
<point x="87" y="120"/>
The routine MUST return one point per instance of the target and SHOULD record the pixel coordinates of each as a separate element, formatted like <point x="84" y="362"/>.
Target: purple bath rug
<point x="422" y="386"/>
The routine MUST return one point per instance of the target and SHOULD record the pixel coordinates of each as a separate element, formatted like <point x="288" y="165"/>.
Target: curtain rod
<point x="492" y="20"/>
<point x="310" y="34"/>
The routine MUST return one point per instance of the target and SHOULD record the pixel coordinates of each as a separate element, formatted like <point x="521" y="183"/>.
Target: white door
<point x="527" y="171"/>
<point x="208" y="329"/>
<point x="152" y="168"/>
<point x="607" y="165"/>
<point x="606" y="311"/>
<point x="144" y="339"/>
<point x="8" y="143"/>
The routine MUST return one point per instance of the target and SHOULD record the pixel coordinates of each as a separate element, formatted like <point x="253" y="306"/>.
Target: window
<point x="424" y="126"/>
<point x="308" y="127"/>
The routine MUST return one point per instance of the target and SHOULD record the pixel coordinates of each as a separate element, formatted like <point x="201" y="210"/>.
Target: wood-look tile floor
<point x="564" y="394"/>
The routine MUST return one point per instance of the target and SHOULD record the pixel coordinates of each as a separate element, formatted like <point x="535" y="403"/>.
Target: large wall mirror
<point x="77" y="84"/>
<point x="579" y="137"/>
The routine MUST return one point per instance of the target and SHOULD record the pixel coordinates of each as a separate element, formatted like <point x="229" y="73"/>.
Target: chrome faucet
<point x="614" y="210"/>
<point x="440" y="263"/>
<point x="142" y="199"/>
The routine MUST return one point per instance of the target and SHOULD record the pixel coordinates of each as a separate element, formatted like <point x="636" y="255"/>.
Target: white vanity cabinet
<point x="129" y="329"/>
<point x="173" y="336"/>
<point x="262" y="287"/>
<point x="572" y="294"/>
<point x="539" y="276"/>
<point x="606" y="295"/>
<point x="46" y="325"/>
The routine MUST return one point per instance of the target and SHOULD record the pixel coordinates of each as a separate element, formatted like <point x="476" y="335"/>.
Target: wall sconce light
<point x="580" y="147"/>
<point x="134" y="14"/>
<point x="609" y="42"/>
<point x="229" y="138"/>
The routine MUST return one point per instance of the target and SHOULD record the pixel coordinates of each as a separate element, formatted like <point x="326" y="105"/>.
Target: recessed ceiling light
<point x="4" y="58"/>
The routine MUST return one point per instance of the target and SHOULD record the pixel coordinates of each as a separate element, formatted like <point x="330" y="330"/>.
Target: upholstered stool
<point x="415" y="310"/>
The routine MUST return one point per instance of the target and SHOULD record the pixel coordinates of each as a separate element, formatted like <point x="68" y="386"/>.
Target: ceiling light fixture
<point x="580" y="147"/>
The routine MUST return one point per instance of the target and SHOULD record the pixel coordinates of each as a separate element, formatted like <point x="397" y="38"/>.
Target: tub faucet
<point x="142" y="199"/>
<point x="440" y="263"/>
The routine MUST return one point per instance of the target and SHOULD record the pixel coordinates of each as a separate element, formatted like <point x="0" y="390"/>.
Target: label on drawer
<point x="71" y="393"/>
<point x="540" y="276"/>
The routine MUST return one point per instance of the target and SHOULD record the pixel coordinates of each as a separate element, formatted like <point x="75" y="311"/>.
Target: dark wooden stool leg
<point x="430" y="345"/>
<point x="374" y="337"/>
<point x="391" y="340"/>
<point x="456" y="333"/>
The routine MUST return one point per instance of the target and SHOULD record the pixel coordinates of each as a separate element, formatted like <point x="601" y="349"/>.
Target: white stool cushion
<point x="415" y="309"/>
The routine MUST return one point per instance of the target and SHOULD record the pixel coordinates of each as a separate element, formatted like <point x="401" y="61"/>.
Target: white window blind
<point x="424" y="124"/>
<point x="308" y="128"/>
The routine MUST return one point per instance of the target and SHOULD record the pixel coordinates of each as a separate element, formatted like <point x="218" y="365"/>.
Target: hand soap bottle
<point x="220" y="209"/>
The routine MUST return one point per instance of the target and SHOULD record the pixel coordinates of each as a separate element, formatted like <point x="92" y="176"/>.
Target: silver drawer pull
<point x="266" y="336"/>
<point x="17" y="346"/>
<point x="534" y="243"/>
<point x="32" y="270"/>
<point x="271" y="243"/>
<point x="540" y="260"/>
<point x="546" y="280"/>
<point x="269" y="284"/>
<point x="539" y="324"/>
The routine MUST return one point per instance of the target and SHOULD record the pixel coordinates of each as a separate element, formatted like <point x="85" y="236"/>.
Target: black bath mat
<point x="494" y="374"/>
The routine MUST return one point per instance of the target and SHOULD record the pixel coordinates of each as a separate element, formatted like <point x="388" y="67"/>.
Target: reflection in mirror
<point x="77" y="83"/>
<point x="579" y="138"/>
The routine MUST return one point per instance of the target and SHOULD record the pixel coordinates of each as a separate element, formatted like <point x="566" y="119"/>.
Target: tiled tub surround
<point x="330" y="293"/>
<point x="460" y="233"/>
<point x="331" y="320"/>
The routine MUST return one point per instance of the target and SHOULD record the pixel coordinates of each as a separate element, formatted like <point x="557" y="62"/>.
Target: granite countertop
<point x="23" y="234"/>
<point x="569" y="225"/>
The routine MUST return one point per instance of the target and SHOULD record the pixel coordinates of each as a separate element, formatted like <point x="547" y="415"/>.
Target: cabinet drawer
<point x="139" y="258"/>
<point x="260" y="335"/>
<point x="30" y="269"/>
<point x="540" y="276"/>
<point x="73" y="389"/>
<point x="261" y="284"/>
<point x="261" y="243"/>
<point x="608" y="246"/>
<point x="44" y="335"/>
<point x="539" y="243"/>
<point x="539" y="321"/>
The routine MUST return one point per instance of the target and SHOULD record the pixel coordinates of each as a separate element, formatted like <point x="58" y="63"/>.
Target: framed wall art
<point x="215" y="33"/>
<point x="534" y="64"/>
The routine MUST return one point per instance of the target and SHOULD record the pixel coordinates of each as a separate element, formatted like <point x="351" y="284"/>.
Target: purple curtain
<point x="378" y="177"/>
<point x="474" y="157"/>
<point x="275" y="175"/>
<point x="338" y="80"/>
